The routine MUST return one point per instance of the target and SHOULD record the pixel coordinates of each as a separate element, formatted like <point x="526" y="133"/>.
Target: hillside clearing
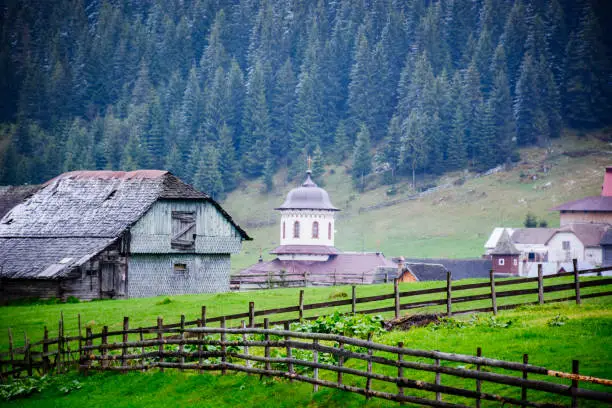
<point x="452" y="222"/>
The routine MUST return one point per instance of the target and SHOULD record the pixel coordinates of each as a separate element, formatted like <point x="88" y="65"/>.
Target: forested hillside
<point x="219" y="91"/>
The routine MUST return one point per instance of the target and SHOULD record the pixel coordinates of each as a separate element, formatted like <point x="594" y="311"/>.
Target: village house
<point x="584" y="224"/>
<point x="110" y="234"/>
<point x="306" y="254"/>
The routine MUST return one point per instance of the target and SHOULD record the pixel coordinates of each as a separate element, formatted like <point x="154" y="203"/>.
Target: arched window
<point x="315" y="229"/>
<point x="283" y="229"/>
<point x="296" y="229"/>
<point x="329" y="231"/>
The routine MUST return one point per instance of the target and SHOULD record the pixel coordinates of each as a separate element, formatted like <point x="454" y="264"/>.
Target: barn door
<point x="183" y="230"/>
<point x="107" y="279"/>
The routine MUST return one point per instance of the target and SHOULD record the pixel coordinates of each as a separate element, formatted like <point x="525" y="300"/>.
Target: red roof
<point x="304" y="250"/>
<point x="606" y="190"/>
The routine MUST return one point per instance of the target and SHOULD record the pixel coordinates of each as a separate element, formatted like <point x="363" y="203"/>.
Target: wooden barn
<point x="107" y="234"/>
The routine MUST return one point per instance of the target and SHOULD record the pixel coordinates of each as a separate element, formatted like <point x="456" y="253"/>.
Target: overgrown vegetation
<point x="23" y="387"/>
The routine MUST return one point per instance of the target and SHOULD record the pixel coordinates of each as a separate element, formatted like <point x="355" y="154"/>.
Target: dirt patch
<point x="406" y="323"/>
<point x="580" y="153"/>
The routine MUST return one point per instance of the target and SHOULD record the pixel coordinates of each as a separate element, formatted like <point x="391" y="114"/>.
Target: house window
<point x="283" y="229"/>
<point x="183" y="230"/>
<point x="515" y="262"/>
<point x="296" y="229"/>
<point x="501" y="262"/>
<point x="566" y="245"/>
<point x="315" y="229"/>
<point x="329" y="231"/>
<point x="180" y="268"/>
<point x="531" y="256"/>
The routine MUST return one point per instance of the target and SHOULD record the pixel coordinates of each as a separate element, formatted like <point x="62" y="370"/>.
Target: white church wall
<point x="306" y="219"/>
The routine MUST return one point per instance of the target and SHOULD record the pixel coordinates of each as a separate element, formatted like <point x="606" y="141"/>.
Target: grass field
<point x="584" y="336"/>
<point x="453" y="222"/>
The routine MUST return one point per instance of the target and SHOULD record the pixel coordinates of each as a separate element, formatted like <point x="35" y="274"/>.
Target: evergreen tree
<point x="527" y="104"/>
<point x="283" y="109"/>
<point x="318" y="166"/>
<point x="392" y="149"/>
<point x="414" y="141"/>
<point x="514" y="39"/>
<point x="362" y="158"/>
<point x="228" y="165"/>
<point x="268" y="176"/>
<point x="342" y="142"/>
<point x="208" y="178"/>
<point x="457" y="152"/>
<point x="255" y="144"/>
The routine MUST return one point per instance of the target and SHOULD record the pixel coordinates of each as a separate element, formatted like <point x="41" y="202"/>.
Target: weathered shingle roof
<point x="505" y="246"/>
<point x="427" y="271"/>
<point x="10" y="196"/>
<point x="96" y="204"/>
<point x="532" y="235"/>
<point x="46" y="258"/>
<point x="590" y="234"/>
<point x="78" y="214"/>
<point x="607" y="238"/>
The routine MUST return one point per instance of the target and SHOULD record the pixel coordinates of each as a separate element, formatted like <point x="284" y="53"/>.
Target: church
<point x="306" y="255"/>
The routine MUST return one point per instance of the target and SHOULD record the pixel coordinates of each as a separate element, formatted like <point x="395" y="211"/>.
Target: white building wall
<point x="593" y="255"/>
<point x="556" y="253"/>
<point x="307" y="218"/>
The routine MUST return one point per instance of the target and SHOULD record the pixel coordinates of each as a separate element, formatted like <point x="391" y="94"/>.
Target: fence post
<point x="400" y="371"/>
<point x="60" y="348"/>
<point x="142" y="349"/>
<point x="354" y="298"/>
<point x="449" y="295"/>
<point x="160" y="341"/>
<point x="575" y="370"/>
<point x="315" y="359"/>
<point x="493" y="293"/>
<point x="340" y="361"/>
<point x="45" y="348"/>
<point x="301" y="305"/>
<point x="576" y="280"/>
<point x="61" y="338"/>
<point x="288" y="349"/>
<point x="27" y="353"/>
<point x="80" y="335"/>
<point x="523" y="388"/>
<point x="11" y="350"/>
<point x="396" y="296"/>
<point x="126" y="327"/>
<point x="478" y="384"/>
<point x="267" y="347"/>
<point x="104" y="348"/>
<point x="223" y="347"/>
<point x="201" y="323"/>
<point x="88" y="342"/>
<point x="369" y="379"/>
<point x="182" y="346"/>
<point x="540" y="285"/>
<point x="438" y="393"/>
<point x="251" y="314"/>
<point x="203" y="316"/>
<point x="247" y="362"/>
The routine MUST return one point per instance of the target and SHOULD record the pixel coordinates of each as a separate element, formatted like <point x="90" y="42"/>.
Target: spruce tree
<point x="228" y="165"/>
<point x="268" y="176"/>
<point x="362" y="158"/>
<point x="392" y="148"/>
<point x="414" y="142"/>
<point x="318" y="166"/>
<point x="527" y="104"/>
<point x="457" y="153"/>
<point x="208" y="178"/>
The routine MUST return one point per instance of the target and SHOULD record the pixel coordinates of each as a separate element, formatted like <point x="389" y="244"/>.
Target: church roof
<point x="304" y="250"/>
<point x="505" y="246"/>
<point x="308" y="196"/>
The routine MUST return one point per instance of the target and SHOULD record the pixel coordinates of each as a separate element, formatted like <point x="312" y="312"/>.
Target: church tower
<point x="307" y="224"/>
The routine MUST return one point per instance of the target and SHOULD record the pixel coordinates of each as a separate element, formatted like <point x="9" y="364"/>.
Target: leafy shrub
<point x="164" y="301"/>
<point x="357" y="325"/>
<point x="73" y="299"/>
<point x="22" y="387"/>
<point x="557" y="321"/>
<point x="475" y="320"/>
<point x="337" y="294"/>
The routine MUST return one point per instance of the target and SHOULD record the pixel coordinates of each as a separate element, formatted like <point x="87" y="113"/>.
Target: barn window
<point x="531" y="256"/>
<point x="180" y="268"/>
<point x="315" y="229"/>
<point x="183" y="230"/>
<point x="515" y="262"/>
<point x="283" y="229"/>
<point x="501" y="262"/>
<point x="296" y="229"/>
<point x="566" y="245"/>
<point x="329" y="231"/>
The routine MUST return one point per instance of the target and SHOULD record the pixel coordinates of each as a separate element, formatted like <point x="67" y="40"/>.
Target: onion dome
<point x="308" y="196"/>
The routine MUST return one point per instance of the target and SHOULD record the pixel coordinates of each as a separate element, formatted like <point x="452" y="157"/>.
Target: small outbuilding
<point x="111" y="234"/>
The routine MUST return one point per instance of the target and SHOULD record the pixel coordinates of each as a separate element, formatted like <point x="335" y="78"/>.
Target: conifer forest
<point x="220" y="91"/>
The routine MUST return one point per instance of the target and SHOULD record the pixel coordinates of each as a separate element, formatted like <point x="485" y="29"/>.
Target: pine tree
<point x="362" y="158"/>
<point x="526" y="104"/>
<point x="283" y="109"/>
<point x="268" y="176"/>
<point x="457" y="152"/>
<point x="414" y="149"/>
<point x="228" y="165"/>
<point x="174" y="161"/>
<point x="392" y="149"/>
<point x="236" y="92"/>
<point x="318" y="166"/>
<point x="501" y="109"/>
<point x="514" y="39"/>
<point x="342" y="142"/>
<point x="216" y="106"/>
<point x="255" y="144"/>
<point x="208" y="178"/>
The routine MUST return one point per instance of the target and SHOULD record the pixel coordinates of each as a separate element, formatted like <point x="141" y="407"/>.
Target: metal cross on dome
<point x="309" y="161"/>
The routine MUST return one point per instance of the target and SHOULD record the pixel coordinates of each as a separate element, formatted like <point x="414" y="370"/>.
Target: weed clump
<point x="164" y="301"/>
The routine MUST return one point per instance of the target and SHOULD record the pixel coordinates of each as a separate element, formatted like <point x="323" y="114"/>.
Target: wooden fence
<point x="328" y="360"/>
<point x="192" y="339"/>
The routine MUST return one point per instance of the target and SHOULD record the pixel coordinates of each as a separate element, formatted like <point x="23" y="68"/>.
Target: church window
<point x="501" y="261"/>
<point x="296" y="229"/>
<point x="283" y="229"/>
<point x="315" y="229"/>
<point x="329" y="231"/>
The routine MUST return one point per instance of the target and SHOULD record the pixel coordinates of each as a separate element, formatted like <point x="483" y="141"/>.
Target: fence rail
<point x="196" y="345"/>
